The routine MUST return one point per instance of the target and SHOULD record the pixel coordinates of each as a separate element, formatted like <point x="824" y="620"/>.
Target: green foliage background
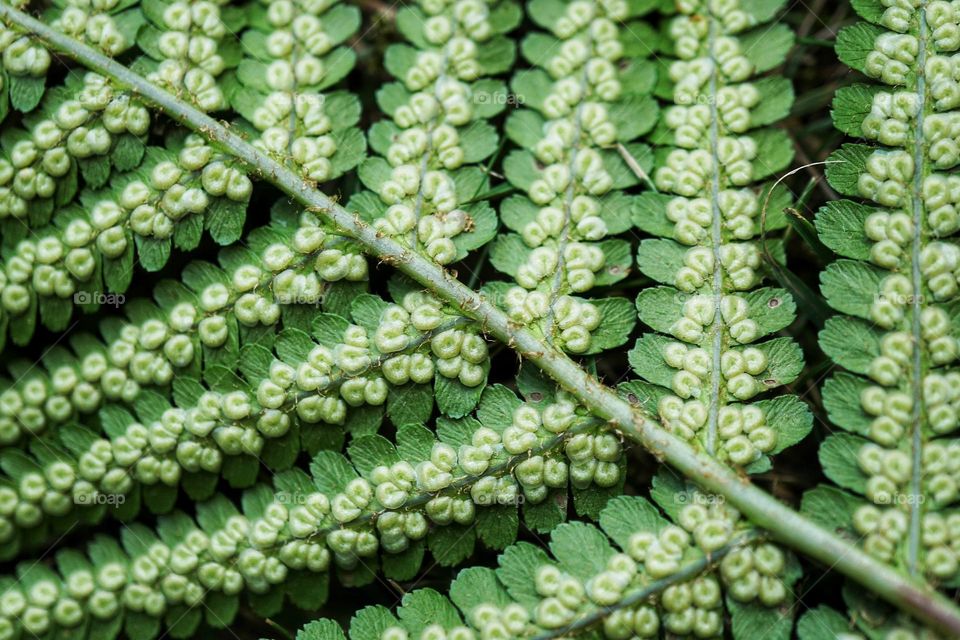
<point x="816" y="75"/>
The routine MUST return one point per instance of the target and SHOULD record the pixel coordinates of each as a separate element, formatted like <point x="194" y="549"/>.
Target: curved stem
<point x="783" y="523"/>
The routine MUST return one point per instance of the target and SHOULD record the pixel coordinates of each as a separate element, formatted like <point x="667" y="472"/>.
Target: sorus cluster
<point x="424" y="207"/>
<point x="565" y="598"/>
<point x="698" y="379"/>
<point x="176" y="188"/>
<point x="911" y="398"/>
<point x="304" y="384"/>
<point x="352" y="372"/>
<point x="563" y="237"/>
<point x="309" y="144"/>
<point x="752" y="572"/>
<point x="525" y="458"/>
<point x="189" y="39"/>
<point x="458" y="352"/>
<point x="498" y="467"/>
<point x="593" y="457"/>
<point x="297" y="42"/>
<point x="292" y="118"/>
<point x="238" y="553"/>
<point x="82" y="126"/>
<point x="149" y="353"/>
<point x="574" y="319"/>
<point x="22" y="56"/>
<point x="885" y="530"/>
<point x="741" y="429"/>
<point x="91" y="20"/>
<point x="708" y="175"/>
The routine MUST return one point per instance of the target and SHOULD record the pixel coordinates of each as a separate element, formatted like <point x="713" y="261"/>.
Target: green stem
<point x="276" y="627"/>
<point x="916" y="273"/>
<point x="716" y="240"/>
<point x="783" y="523"/>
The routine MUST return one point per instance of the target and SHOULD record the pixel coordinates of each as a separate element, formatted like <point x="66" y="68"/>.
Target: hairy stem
<point x="783" y="523"/>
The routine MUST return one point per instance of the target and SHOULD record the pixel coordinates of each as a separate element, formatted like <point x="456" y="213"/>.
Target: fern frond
<point x="896" y="286"/>
<point x="714" y="149"/>
<point x="813" y="540"/>
<point x="289" y="263"/>
<point x="868" y="619"/>
<point x="293" y="52"/>
<point x="86" y="257"/>
<point x="384" y="498"/>
<point x="109" y="26"/>
<point x="586" y="101"/>
<point x="636" y="576"/>
<point x="25" y="63"/>
<point x="424" y="184"/>
<point x="189" y="45"/>
<point x="706" y="369"/>
<point x="290" y="387"/>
